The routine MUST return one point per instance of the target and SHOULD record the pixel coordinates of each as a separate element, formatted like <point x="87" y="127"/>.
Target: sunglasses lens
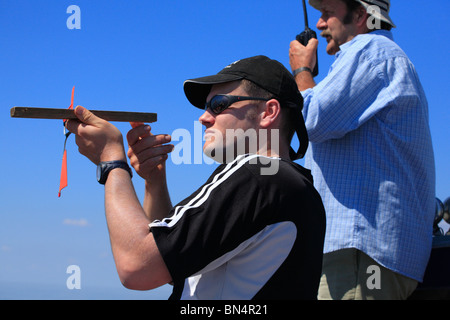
<point x="219" y="104"/>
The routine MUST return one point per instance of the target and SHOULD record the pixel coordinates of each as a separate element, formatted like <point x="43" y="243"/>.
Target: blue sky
<point x="134" y="56"/>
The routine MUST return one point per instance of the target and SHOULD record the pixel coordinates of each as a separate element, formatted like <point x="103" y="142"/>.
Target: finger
<point x="136" y="124"/>
<point x="85" y="116"/>
<point x="150" y="142"/>
<point x="153" y="162"/>
<point x="72" y="126"/>
<point x="137" y="159"/>
<point x="146" y="165"/>
<point x="296" y="44"/>
<point x="313" y="43"/>
<point x="137" y="133"/>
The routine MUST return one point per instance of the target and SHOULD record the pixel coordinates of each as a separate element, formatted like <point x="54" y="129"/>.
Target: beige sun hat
<point x="382" y="14"/>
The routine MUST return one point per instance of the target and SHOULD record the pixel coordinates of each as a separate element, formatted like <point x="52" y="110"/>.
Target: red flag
<point x="71" y="99"/>
<point x="63" y="178"/>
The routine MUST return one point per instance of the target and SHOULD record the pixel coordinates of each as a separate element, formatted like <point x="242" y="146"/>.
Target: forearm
<point x="305" y="81"/>
<point x="157" y="204"/>
<point x="148" y="155"/>
<point x="127" y="223"/>
<point x="137" y="258"/>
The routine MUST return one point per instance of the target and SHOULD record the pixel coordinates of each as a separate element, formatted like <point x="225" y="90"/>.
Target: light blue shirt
<point x="371" y="154"/>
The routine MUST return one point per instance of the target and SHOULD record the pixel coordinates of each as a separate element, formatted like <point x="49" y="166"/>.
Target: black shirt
<point x="246" y="235"/>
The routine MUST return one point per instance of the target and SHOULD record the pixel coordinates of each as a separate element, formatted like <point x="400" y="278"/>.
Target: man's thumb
<point x="85" y="116"/>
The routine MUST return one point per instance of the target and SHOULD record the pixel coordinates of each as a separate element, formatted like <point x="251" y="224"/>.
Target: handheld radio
<point x="304" y="37"/>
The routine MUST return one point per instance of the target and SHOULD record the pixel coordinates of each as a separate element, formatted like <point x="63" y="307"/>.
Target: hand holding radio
<point x="301" y="56"/>
<point x="304" y="38"/>
<point x="297" y="52"/>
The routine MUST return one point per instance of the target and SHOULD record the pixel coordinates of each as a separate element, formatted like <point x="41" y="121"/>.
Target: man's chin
<point x="220" y="155"/>
<point x="211" y="152"/>
<point x="332" y="48"/>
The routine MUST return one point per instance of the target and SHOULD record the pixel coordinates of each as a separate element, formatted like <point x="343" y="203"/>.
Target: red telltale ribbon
<point x="63" y="178"/>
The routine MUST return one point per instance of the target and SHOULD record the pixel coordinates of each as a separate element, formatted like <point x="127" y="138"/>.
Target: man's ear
<point x="360" y="17"/>
<point x="271" y="114"/>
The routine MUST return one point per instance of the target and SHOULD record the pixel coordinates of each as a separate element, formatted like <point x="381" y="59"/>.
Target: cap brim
<point x="197" y="90"/>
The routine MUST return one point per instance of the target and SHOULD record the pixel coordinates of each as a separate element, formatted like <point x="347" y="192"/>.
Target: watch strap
<point x="107" y="166"/>
<point x="297" y="71"/>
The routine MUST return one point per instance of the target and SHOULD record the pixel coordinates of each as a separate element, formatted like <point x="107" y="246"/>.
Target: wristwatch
<point x="103" y="169"/>
<point x="297" y="71"/>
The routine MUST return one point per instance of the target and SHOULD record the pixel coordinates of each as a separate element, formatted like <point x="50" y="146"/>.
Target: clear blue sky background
<point x="134" y="55"/>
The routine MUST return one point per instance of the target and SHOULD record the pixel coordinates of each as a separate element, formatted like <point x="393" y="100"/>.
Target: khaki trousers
<point x="350" y="274"/>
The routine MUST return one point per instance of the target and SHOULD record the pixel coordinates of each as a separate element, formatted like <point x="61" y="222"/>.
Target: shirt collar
<point x="345" y="46"/>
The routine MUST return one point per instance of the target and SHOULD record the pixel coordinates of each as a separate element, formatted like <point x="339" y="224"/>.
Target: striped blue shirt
<point x="371" y="154"/>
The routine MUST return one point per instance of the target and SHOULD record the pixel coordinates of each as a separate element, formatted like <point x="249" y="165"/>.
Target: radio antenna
<point x="305" y="15"/>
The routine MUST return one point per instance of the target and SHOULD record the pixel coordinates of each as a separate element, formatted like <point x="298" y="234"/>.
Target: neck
<point x="279" y="150"/>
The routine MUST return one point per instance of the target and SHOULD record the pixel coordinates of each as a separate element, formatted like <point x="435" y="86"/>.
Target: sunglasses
<point x="221" y="102"/>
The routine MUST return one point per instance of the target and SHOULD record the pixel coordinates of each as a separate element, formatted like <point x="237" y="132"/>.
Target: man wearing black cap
<point x="248" y="232"/>
<point x="370" y="153"/>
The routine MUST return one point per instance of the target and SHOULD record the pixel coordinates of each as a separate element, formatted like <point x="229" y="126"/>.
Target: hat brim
<point x="379" y="14"/>
<point x="197" y="90"/>
<point x="382" y="15"/>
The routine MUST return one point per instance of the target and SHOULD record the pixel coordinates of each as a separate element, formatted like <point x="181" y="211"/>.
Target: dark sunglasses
<point x="220" y="102"/>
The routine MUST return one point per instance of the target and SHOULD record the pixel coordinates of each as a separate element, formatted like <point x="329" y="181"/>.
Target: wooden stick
<point x="49" y="113"/>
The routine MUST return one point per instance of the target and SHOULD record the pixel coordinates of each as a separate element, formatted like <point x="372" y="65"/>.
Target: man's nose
<point x="206" y="118"/>
<point x="321" y="24"/>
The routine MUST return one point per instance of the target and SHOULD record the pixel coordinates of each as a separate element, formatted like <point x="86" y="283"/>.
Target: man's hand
<point x="301" y="56"/>
<point x="147" y="152"/>
<point x="96" y="138"/>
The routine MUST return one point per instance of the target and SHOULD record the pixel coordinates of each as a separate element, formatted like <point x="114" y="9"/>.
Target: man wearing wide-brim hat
<point x="370" y="153"/>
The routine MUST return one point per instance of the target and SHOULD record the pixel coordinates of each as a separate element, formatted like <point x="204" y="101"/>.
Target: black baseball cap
<point x="266" y="73"/>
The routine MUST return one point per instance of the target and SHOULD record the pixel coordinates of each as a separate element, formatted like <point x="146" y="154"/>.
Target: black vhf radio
<point x="304" y="37"/>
